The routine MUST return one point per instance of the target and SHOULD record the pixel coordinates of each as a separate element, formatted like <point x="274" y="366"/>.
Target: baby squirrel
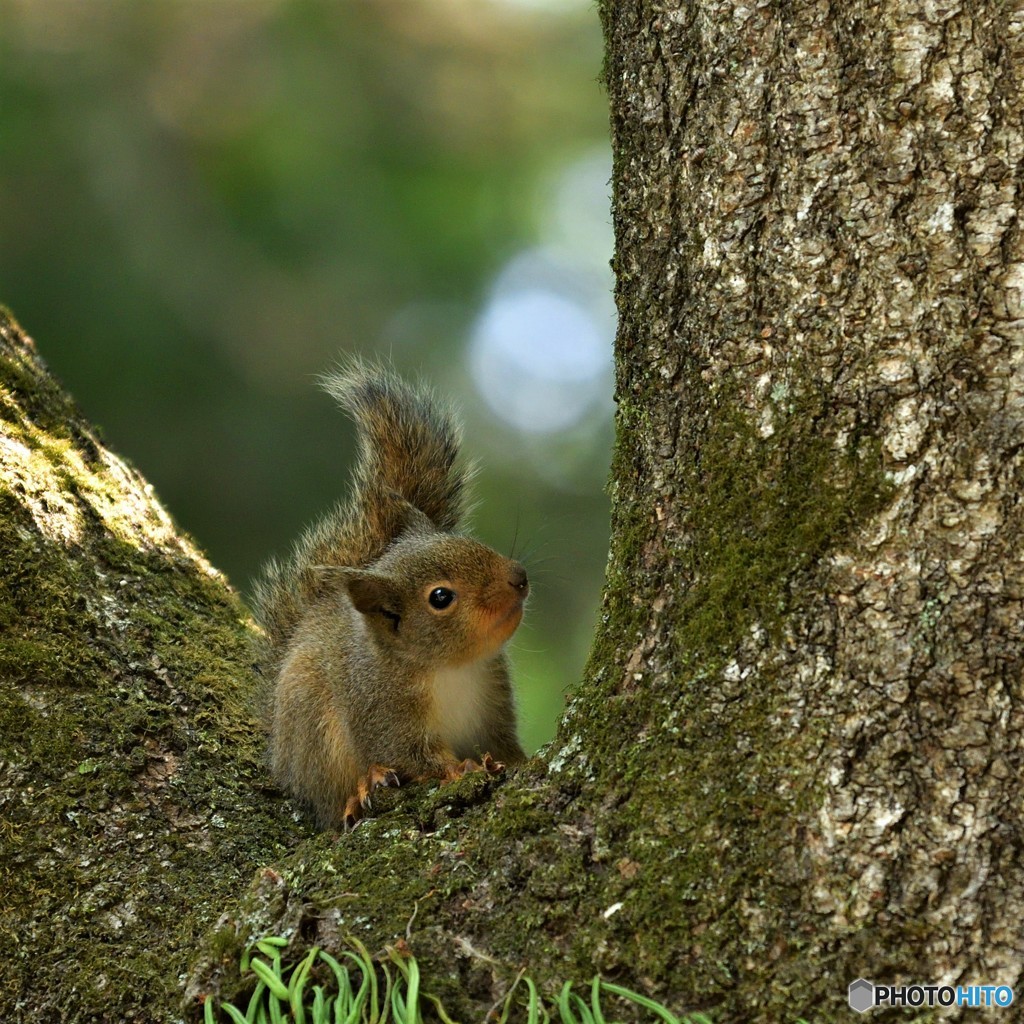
<point x="383" y="634"/>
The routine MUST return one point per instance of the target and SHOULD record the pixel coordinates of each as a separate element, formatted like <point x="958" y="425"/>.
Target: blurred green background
<point x="204" y="203"/>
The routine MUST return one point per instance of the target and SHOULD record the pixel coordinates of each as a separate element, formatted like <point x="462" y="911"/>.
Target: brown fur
<point x="369" y="684"/>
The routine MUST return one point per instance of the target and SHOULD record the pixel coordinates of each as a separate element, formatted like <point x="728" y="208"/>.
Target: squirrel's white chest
<point x="460" y="697"/>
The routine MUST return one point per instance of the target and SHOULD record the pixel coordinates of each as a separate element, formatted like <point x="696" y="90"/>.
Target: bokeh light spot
<point x="541" y="348"/>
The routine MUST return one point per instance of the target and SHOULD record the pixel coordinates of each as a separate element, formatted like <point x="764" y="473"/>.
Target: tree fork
<point x="793" y="759"/>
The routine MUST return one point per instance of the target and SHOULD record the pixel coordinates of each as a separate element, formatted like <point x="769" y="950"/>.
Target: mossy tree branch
<point x="130" y="765"/>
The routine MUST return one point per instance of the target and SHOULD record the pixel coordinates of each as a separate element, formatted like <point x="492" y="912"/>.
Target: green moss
<point x="766" y="509"/>
<point x="130" y="761"/>
<point x="712" y="772"/>
<point x="25" y="392"/>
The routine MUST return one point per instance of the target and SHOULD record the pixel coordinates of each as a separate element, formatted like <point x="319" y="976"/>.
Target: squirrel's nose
<point x="518" y="579"/>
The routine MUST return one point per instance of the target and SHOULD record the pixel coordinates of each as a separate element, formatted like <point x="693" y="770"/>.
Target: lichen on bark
<point x="129" y="761"/>
<point x="817" y="228"/>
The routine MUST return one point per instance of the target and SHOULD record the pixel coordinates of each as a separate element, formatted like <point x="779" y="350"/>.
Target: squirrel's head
<point x="440" y="599"/>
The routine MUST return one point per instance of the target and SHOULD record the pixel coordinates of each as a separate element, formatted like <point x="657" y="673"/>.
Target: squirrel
<point x="383" y="635"/>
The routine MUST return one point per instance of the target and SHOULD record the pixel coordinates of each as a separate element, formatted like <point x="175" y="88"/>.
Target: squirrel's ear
<point x="372" y="593"/>
<point x="409" y="516"/>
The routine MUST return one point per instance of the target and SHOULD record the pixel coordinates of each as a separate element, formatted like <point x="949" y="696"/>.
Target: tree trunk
<point x="793" y="759"/>
<point x="816" y="577"/>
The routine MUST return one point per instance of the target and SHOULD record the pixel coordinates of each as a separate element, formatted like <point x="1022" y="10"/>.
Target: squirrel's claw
<point x="378" y="775"/>
<point x="459" y="768"/>
<point x="353" y="812"/>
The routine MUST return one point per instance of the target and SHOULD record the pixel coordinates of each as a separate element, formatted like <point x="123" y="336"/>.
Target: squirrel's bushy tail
<point x="408" y="445"/>
<point x="408" y="452"/>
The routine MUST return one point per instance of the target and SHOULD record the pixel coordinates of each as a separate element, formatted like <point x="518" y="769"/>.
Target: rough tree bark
<point x="793" y="760"/>
<point x="130" y="808"/>
<point x="817" y="516"/>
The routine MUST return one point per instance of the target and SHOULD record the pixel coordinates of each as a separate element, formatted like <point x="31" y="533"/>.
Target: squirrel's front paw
<point x="457" y="769"/>
<point x="378" y="775"/>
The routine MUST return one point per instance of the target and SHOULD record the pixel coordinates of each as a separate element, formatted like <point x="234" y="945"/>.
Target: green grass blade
<point x="319" y="1013"/>
<point x="208" y="1012"/>
<point x="409" y="970"/>
<point x="399" y="1009"/>
<point x="365" y="962"/>
<point x="506" y="1006"/>
<point x="344" y="1011"/>
<point x="278" y="993"/>
<point x="595" y="1000"/>
<point x="233" y="1012"/>
<point x="565" y="1006"/>
<point x="265" y="974"/>
<point x="356" y="1004"/>
<point x="274" y="1005"/>
<point x="271" y="946"/>
<point x="534" y="1003"/>
<point x="295" y="1003"/>
<point x="298" y="982"/>
<point x="255" y="1001"/>
<point x="648" y="1004"/>
<point x="343" y="1002"/>
<point x="385" y="1006"/>
<point x="412" y="998"/>
<point x="585" y="1015"/>
<point x="438" y="1009"/>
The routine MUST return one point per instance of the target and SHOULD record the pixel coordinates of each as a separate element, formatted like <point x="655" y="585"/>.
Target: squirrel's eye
<point x="441" y="597"/>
